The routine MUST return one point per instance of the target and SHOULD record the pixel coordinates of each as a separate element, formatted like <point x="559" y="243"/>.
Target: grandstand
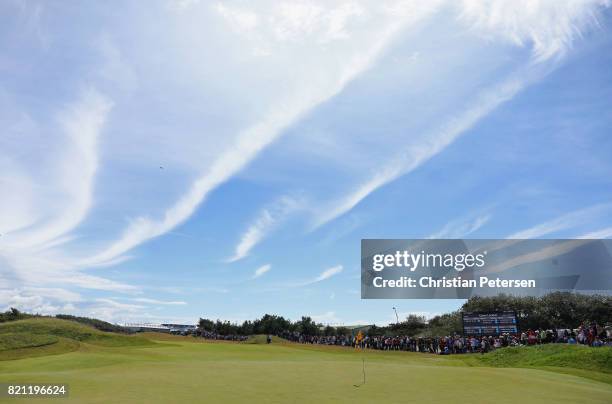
<point x="166" y="327"/>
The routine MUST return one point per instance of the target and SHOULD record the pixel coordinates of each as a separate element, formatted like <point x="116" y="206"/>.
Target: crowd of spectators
<point x="591" y="335"/>
<point x="216" y="336"/>
<point x="342" y="340"/>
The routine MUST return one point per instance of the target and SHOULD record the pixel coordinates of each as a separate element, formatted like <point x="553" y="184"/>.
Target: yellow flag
<point x="358" y="338"/>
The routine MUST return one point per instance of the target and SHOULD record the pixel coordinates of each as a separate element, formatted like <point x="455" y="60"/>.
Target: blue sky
<point x="224" y="159"/>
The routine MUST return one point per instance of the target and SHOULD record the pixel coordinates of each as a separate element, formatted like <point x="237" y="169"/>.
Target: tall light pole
<point x="396" y="316"/>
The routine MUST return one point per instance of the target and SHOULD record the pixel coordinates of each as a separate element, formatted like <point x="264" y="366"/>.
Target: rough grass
<point x="62" y="346"/>
<point x="25" y="340"/>
<point x="45" y="327"/>
<point x="593" y="363"/>
<point x="557" y="355"/>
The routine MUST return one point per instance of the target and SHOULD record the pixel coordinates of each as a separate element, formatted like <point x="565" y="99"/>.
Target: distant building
<point x="146" y="327"/>
<point x="181" y="328"/>
<point x="168" y="328"/>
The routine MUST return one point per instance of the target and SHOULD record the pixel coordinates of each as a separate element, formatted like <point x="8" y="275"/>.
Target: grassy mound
<point x="592" y="363"/>
<point x="556" y="355"/>
<point x="94" y="322"/>
<point x="42" y="327"/>
<point x="21" y="340"/>
<point x="61" y="346"/>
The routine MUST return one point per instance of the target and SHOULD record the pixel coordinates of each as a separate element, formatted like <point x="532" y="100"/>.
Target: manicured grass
<point x="184" y="369"/>
<point x="104" y="367"/>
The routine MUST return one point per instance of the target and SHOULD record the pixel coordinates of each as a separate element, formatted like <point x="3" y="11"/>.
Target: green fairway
<point x="185" y="369"/>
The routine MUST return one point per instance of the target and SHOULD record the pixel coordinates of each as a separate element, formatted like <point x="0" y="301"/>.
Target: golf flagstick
<point x="364" y="374"/>
<point x="362" y="368"/>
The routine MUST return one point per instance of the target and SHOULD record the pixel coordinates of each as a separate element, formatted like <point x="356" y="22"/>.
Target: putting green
<point x="177" y="370"/>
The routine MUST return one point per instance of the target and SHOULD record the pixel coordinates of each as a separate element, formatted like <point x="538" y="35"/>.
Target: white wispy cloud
<point x="265" y="222"/>
<point x="114" y="311"/>
<point x="602" y="233"/>
<point x="83" y="280"/>
<point x="417" y="154"/>
<point x="39" y="300"/>
<point x="328" y="273"/>
<point x="254" y="234"/>
<point x="462" y="227"/>
<point x="563" y="222"/>
<point x="261" y="270"/>
<point x="321" y="22"/>
<point x="47" y="268"/>
<point x="251" y="141"/>
<point x="119" y="305"/>
<point x="550" y="27"/>
<point x="158" y="302"/>
<point x="60" y="199"/>
<point x="554" y="250"/>
<point x="72" y="176"/>
<point x="241" y="20"/>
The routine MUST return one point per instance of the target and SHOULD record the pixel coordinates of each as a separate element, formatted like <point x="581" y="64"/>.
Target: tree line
<point x="554" y="310"/>
<point x="271" y="324"/>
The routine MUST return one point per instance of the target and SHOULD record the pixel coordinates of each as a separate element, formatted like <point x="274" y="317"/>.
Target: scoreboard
<point x="480" y="324"/>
